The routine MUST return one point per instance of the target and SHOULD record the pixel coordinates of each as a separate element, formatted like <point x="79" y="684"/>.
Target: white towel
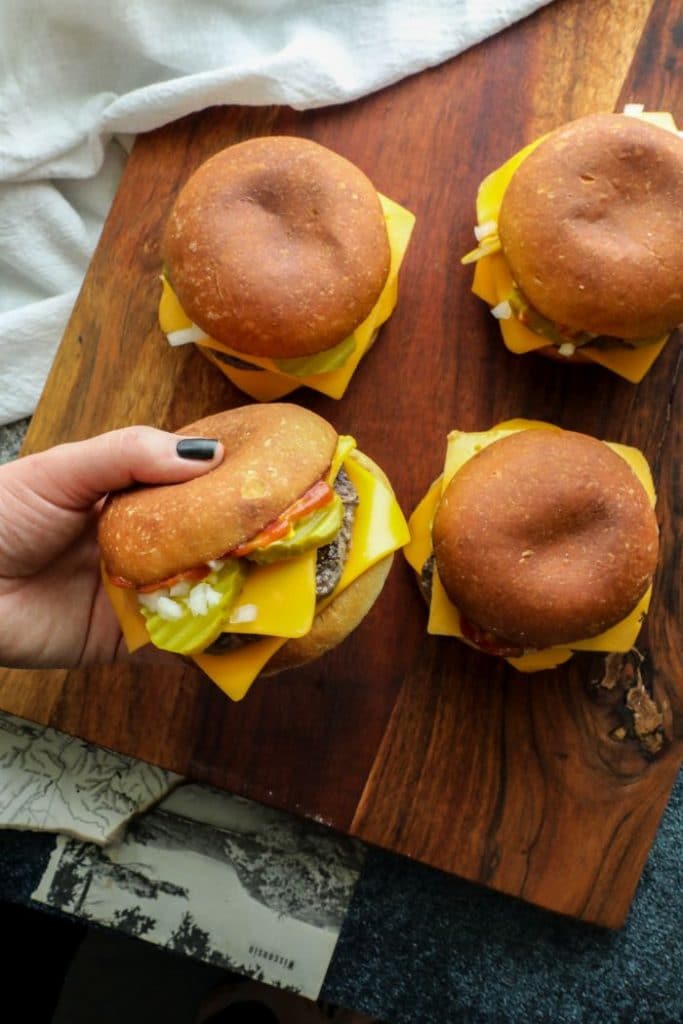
<point x="78" y="78"/>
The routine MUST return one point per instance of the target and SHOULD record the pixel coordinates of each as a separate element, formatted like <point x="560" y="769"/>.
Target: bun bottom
<point x="334" y="623"/>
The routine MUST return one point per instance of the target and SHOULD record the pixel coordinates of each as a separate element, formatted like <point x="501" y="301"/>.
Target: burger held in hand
<point x="536" y="542"/>
<point x="265" y="562"/>
<point x="281" y="262"/>
<point x="580" y="253"/>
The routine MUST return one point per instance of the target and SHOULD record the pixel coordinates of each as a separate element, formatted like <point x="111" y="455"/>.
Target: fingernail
<point x="203" y="448"/>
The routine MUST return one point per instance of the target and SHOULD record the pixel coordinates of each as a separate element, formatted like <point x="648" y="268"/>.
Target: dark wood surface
<point x="414" y="743"/>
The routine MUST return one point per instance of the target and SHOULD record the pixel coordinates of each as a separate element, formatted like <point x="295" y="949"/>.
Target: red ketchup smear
<point x="487" y="641"/>
<point x="190" y="575"/>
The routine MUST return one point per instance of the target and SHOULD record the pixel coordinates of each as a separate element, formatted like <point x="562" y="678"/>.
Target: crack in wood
<point x="625" y="685"/>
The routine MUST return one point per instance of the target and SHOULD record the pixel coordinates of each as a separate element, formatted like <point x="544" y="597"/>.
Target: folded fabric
<point x="78" y="78"/>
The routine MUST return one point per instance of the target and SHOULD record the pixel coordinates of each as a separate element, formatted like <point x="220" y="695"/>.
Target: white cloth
<point x="79" y="77"/>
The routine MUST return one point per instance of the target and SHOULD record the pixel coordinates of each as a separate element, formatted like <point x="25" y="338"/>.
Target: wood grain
<point x="407" y="741"/>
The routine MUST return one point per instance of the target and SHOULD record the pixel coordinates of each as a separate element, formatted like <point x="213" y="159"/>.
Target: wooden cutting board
<point x="533" y="786"/>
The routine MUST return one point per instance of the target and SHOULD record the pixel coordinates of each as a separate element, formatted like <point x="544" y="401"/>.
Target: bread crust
<point x="591" y="224"/>
<point x="545" y="537"/>
<point x="273" y="454"/>
<point x="277" y="247"/>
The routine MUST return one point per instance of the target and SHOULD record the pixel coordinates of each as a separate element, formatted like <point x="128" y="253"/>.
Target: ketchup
<point x="488" y="642"/>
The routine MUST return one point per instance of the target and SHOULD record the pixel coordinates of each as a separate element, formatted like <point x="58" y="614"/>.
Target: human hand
<point x="54" y="612"/>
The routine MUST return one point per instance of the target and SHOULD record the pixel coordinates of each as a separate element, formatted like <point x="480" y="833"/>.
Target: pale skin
<point x="54" y="612"/>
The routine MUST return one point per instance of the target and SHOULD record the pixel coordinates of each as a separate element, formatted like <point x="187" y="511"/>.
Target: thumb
<point x="75" y="476"/>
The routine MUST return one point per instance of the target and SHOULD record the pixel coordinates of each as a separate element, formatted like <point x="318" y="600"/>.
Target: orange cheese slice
<point x="444" y="617"/>
<point x="493" y="279"/>
<point x="270" y="382"/>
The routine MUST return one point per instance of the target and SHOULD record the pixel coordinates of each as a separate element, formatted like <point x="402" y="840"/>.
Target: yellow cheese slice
<point x="270" y="382"/>
<point x="493" y="280"/>
<point x="127" y="611"/>
<point x="345" y="445"/>
<point x="283" y="594"/>
<point x="444" y="618"/>
<point x="235" y="672"/>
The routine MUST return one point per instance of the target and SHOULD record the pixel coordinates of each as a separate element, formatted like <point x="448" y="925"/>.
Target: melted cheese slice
<point x="379" y="529"/>
<point x="270" y="382"/>
<point x="493" y="280"/>
<point x="444" y="618"/>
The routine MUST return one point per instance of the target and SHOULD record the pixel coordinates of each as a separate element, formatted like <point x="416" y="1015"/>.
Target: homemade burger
<point x="281" y="262"/>
<point x="579" y="235"/>
<point x="265" y="562"/>
<point x="537" y="542"/>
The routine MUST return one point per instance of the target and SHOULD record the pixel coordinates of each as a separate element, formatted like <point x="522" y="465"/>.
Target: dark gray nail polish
<point x="203" y="448"/>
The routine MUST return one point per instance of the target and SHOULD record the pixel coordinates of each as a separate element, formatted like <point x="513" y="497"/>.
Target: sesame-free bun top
<point x="591" y="226"/>
<point x="545" y="537"/>
<point x="273" y="454"/>
<point x="277" y="247"/>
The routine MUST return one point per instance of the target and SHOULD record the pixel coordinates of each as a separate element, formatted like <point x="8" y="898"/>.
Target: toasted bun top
<point x="277" y="247"/>
<point x="591" y="225"/>
<point x="273" y="454"/>
<point x="545" y="537"/>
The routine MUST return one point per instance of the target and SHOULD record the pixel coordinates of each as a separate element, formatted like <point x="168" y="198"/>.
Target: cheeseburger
<point x="579" y="235"/>
<point x="536" y="542"/>
<point x="281" y="262"/>
<point x="265" y="562"/>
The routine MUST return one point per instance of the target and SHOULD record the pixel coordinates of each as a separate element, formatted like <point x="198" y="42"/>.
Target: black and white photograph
<point x="220" y="879"/>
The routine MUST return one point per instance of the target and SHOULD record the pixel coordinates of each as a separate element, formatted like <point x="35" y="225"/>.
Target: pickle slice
<point x="191" y="634"/>
<point x="315" y="530"/>
<point x="321" y="362"/>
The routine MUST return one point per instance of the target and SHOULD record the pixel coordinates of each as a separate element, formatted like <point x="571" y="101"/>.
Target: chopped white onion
<point x="482" y="231"/>
<point x="634" y="109"/>
<point x="213" y="597"/>
<point x="244" y="613"/>
<point x="180" y="589"/>
<point x="169" y="609"/>
<point x="503" y="311"/>
<point x="185" y="335"/>
<point x="196" y="600"/>
<point x="151" y="601"/>
<point x="216" y="564"/>
<point x="567" y="349"/>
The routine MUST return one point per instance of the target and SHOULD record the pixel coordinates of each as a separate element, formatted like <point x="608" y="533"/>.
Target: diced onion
<point x="180" y="589"/>
<point x="169" y="609"/>
<point x="216" y="564"/>
<point x="213" y="597"/>
<point x="567" y="349"/>
<point x="151" y="601"/>
<point x="185" y="335"/>
<point x="244" y="613"/>
<point x="503" y="311"/>
<point x="196" y="600"/>
<point x="482" y="231"/>
<point x="634" y="109"/>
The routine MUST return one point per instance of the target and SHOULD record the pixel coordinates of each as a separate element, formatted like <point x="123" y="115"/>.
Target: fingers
<point x="75" y="476"/>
